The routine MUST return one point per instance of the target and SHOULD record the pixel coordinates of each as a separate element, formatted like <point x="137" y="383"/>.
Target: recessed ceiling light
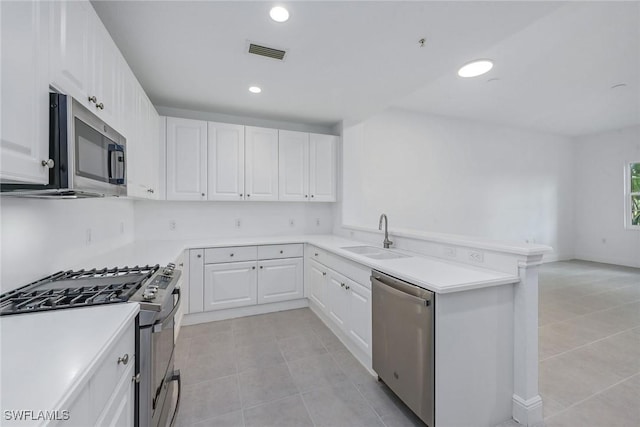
<point x="255" y="89"/>
<point x="475" y="68"/>
<point x="279" y="14"/>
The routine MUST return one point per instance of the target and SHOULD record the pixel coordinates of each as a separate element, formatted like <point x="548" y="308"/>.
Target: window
<point x="632" y="178"/>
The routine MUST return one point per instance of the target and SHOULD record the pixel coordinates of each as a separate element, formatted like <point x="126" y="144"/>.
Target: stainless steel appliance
<point x="154" y="288"/>
<point x="87" y="157"/>
<point x="403" y="342"/>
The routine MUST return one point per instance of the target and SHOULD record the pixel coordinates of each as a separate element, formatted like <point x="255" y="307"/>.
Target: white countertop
<point x="434" y="274"/>
<point x="47" y="357"/>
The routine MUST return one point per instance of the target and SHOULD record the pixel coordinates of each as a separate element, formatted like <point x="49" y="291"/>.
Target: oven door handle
<point x="157" y="327"/>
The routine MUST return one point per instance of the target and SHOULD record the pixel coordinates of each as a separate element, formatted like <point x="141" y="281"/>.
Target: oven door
<point x="156" y="390"/>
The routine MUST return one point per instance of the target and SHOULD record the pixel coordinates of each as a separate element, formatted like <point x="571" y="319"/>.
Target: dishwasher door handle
<point x="392" y="290"/>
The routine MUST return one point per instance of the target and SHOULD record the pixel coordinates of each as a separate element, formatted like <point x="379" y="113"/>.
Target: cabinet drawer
<point x="230" y="254"/>
<point x="280" y="251"/>
<point x="109" y="373"/>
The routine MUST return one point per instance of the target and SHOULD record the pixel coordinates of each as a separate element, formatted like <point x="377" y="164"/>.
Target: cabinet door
<point x="196" y="281"/>
<point x="338" y="299"/>
<point x="360" y="315"/>
<point x="280" y="280"/>
<point x="119" y="410"/>
<point x="106" y="76"/>
<point x="71" y="48"/>
<point x="293" y="166"/>
<point x="230" y="285"/>
<point x="24" y="105"/>
<point x="322" y="167"/>
<point x="261" y="164"/>
<point x="226" y="161"/>
<point x="186" y="159"/>
<point x="318" y="284"/>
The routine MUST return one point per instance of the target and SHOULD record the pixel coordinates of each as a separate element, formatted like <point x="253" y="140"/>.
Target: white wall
<point x="443" y="175"/>
<point x="40" y="237"/>
<point x="196" y="220"/>
<point x="599" y="212"/>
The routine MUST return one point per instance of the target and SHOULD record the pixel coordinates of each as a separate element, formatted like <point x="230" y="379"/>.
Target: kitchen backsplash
<point x="40" y="237"/>
<point x="163" y="220"/>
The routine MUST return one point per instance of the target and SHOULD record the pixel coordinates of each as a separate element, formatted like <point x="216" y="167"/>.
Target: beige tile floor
<point x="287" y="369"/>
<point x="589" y="348"/>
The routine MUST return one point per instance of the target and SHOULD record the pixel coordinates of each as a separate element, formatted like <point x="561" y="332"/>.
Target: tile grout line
<point x="590" y="313"/>
<point x="590" y="397"/>
<point x="589" y="343"/>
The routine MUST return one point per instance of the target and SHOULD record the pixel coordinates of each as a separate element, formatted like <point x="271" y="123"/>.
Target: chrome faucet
<point x="386" y="243"/>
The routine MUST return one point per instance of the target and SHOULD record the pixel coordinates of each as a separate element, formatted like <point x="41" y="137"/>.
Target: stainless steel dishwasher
<point x="403" y="342"/>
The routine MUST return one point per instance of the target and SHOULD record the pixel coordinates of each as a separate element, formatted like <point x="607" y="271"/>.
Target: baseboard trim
<point x="607" y="260"/>
<point x="252" y="310"/>
<point x="528" y="412"/>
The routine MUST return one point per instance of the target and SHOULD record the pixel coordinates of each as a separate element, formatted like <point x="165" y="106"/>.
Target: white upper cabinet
<point x="85" y="62"/>
<point x="293" y="154"/>
<point x="322" y="167"/>
<point x="24" y="138"/>
<point x="261" y="164"/>
<point x="71" y="53"/>
<point x="225" y="161"/>
<point x="186" y="159"/>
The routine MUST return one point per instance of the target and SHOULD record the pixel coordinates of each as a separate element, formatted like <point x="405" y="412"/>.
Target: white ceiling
<point x="555" y="61"/>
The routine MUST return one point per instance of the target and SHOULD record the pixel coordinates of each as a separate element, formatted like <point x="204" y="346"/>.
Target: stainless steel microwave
<point x="87" y="158"/>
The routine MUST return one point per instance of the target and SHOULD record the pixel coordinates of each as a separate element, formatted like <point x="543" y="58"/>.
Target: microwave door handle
<point x="114" y="157"/>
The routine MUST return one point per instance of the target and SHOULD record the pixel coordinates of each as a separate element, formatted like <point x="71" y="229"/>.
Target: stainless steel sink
<point x="373" y="252"/>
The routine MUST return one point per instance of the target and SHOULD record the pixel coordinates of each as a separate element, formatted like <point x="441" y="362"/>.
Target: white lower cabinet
<point x="317" y="284"/>
<point x="280" y="280"/>
<point x="359" y="326"/>
<point x="258" y="275"/>
<point x="230" y="285"/>
<point x="119" y="411"/>
<point x="345" y="302"/>
<point x="338" y="300"/>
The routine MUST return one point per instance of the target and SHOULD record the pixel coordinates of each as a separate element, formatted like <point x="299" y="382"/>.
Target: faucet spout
<point x="386" y="243"/>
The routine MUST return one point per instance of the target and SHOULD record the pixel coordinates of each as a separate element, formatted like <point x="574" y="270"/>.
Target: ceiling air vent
<point x="268" y="52"/>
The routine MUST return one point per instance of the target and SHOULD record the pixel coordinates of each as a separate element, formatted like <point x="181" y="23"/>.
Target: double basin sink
<point x="373" y="252"/>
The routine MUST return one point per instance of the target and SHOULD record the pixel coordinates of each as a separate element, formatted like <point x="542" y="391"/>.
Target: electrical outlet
<point x="172" y="224"/>
<point x="476" y="256"/>
<point x="449" y="251"/>
<point x="238" y="223"/>
<point x="317" y="222"/>
<point x="87" y="236"/>
<point x="291" y="222"/>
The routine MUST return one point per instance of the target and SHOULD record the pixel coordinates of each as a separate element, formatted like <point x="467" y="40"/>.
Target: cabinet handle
<point x="136" y="378"/>
<point x="261" y="267"/>
<point x="231" y="254"/>
<point x="124" y="359"/>
<point x="281" y="252"/>
<point x="347" y="287"/>
<point x="182" y="264"/>
<point x="342" y="285"/>
<point x="199" y="256"/>
<point x="150" y="190"/>
<point x="316" y="254"/>
<point x="240" y="194"/>
<point x="306" y="195"/>
<point x="49" y="163"/>
<point x="312" y="196"/>
<point x="202" y="194"/>
<point x="100" y="106"/>
<point x="93" y="99"/>
<point x="248" y="195"/>
<point x="253" y="268"/>
<point x="324" y="273"/>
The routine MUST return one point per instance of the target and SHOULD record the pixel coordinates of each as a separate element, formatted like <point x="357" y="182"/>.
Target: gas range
<point x="147" y="285"/>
